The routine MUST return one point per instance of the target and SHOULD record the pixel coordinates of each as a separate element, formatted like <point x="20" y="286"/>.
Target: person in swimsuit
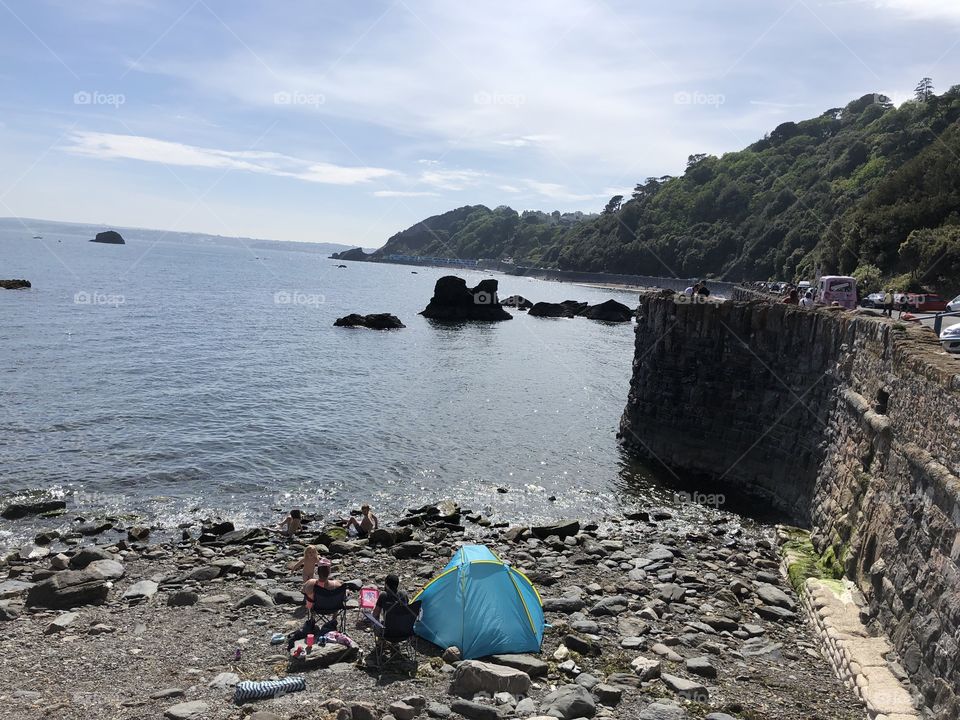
<point x="367" y="524"/>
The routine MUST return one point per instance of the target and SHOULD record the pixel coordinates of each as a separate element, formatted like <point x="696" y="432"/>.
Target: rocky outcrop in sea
<point x="453" y="300"/>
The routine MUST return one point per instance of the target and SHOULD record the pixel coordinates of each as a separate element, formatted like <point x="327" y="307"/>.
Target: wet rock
<point x="16" y="284"/>
<point x="110" y="237"/>
<point x="568" y="702"/>
<point x="563" y="529"/>
<point x="565" y="309"/>
<point x="453" y="300"/>
<point x="376" y="321"/>
<point x="517" y="301"/>
<point x="609" y="311"/>
<point x="138" y="534"/>
<point x="17" y="510"/>
<point x="473" y="676"/>
<point x="93" y="528"/>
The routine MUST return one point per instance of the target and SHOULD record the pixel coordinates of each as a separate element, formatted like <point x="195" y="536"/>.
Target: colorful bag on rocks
<point x="259" y="689"/>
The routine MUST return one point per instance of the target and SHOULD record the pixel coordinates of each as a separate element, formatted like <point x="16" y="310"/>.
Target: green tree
<point x="924" y="90"/>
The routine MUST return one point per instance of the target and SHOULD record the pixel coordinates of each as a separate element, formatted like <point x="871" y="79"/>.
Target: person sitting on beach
<point x="322" y="580"/>
<point x="367" y="524"/>
<point x="390" y="597"/>
<point x="308" y="563"/>
<point x="292" y="523"/>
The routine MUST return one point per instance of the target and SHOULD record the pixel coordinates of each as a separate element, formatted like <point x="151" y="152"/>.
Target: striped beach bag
<point x="247" y="690"/>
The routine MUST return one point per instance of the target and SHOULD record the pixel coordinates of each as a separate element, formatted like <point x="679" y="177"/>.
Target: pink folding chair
<point x="368" y="600"/>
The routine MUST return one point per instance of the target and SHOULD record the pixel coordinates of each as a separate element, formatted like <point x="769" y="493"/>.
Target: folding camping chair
<point x="367" y="601"/>
<point x="328" y="608"/>
<point x="395" y="639"/>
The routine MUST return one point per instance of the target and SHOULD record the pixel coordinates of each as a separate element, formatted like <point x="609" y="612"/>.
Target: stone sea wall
<point x="849" y="423"/>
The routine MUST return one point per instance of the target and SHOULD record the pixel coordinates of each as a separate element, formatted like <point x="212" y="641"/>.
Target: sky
<point x="340" y="122"/>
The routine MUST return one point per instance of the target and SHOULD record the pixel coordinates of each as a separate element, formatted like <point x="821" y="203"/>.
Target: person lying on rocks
<point x="292" y="523"/>
<point x="308" y="563"/>
<point x="367" y="524"/>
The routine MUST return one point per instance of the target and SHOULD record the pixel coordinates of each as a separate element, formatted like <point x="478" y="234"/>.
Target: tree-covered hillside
<point x="868" y="188"/>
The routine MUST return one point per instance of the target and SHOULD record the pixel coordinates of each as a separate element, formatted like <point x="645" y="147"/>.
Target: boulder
<point x="110" y="237"/>
<point x="532" y="666"/>
<point x="561" y="529"/>
<point x="474" y="710"/>
<point x="376" y="321"/>
<point x="517" y="301"/>
<point x="14" y="285"/>
<point x="85" y="556"/>
<point x="473" y="676"/>
<point x="453" y="300"/>
<point x="196" y="710"/>
<point x="109" y="569"/>
<point x="61" y="623"/>
<point x="183" y="598"/>
<point x="663" y="710"/>
<point x="143" y="590"/>
<point x="257" y="598"/>
<point x="13" y="588"/>
<point x="568" y="702"/>
<point x="407" y="550"/>
<point x="17" y="510"/>
<point x="687" y="689"/>
<point x="388" y="537"/>
<point x="609" y="311"/>
<point x="68" y="589"/>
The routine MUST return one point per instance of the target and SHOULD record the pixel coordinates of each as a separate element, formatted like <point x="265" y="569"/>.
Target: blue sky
<point x="346" y="122"/>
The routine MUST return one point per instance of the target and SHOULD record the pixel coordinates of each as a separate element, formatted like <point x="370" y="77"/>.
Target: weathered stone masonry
<point x="850" y="424"/>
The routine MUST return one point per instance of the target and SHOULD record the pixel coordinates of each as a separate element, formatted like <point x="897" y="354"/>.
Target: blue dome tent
<point x="481" y="605"/>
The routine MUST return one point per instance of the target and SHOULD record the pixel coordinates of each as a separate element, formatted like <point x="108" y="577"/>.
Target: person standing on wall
<point x="888" y="303"/>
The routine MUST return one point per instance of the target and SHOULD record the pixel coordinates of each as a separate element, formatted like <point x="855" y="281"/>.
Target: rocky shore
<point x="658" y="615"/>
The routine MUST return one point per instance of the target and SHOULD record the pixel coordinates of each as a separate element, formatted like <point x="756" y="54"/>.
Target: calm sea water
<point x="176" y="381"/>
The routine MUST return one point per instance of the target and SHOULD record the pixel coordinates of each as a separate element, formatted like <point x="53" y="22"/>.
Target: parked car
<point x="925" y="302"/>
<point x="873" y="300"/>
<point x="954" y="305"/>
<point x="950" y="339"/>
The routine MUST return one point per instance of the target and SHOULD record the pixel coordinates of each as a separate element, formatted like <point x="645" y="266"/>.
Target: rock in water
<point x="14" y="284"/>
<point x="356" y="254"/>
<point x="17" y="510"/>
<point x="609" y="311"/>
<point x="111" y="237"/>
<point x="517" y="301"/>
<point x="565" y="309"/>
<point x="377" y="321"/>
<point x="453" y="300"/>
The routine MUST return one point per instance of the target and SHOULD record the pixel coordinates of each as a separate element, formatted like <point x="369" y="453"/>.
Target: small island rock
<point x="376" y="321"/>
<point x="453" y="300"/>
<point x="111" y="237"/>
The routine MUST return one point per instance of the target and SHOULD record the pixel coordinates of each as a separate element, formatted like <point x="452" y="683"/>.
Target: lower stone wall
<point x="849" y="423"/>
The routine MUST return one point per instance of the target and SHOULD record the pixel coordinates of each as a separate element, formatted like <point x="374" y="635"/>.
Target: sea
<point x="178" y="378"/>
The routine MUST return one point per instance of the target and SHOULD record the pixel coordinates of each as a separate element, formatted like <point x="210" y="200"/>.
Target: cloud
<point x="109" y="146"/>
<point x="924" y="9"/>
<point x="404" y="193"/>
<point x="451" y="179"/>
<point x="555" y="191"/>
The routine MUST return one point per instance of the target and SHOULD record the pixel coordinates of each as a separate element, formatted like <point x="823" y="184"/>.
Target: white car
<point x="954" y="305"/>
<point x="950" y="339"/>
